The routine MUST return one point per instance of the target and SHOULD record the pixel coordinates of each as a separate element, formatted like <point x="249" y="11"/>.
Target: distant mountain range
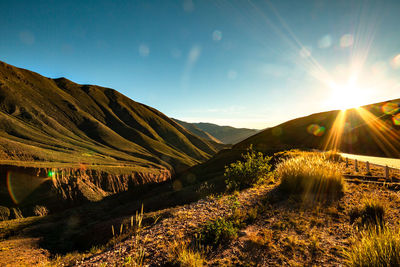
<point x="217" y="133"/>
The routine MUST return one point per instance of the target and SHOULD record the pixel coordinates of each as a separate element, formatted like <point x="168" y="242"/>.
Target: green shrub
<point x="218" y="231"/>
<point x="4" y="213"/>
<point x="375" y="247"/>
<point x="372" y="213"/>
<point x="312" y="177"/>
<point x="253" y="169"/>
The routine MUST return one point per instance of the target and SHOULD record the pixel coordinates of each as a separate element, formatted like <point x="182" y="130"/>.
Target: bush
<point x="218" y="231"/>
<point x="313" y="177"/>
<point x="376" y="247"/>
<point x="4" y="213"/>
<point x="40" y="210"/>
<point x="372" y="213"/>
<point x="254" y="169"/>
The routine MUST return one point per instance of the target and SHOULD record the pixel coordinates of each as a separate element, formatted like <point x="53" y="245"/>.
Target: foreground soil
<point x="284" y="231"/>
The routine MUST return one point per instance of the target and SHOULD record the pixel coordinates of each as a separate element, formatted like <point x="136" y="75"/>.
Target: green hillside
<point x="58" y="124"/>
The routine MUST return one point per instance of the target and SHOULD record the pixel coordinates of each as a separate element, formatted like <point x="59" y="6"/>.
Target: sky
<point x="243" y="63"/>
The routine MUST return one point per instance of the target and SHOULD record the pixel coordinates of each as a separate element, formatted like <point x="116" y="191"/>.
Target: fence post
<point x="347" y="162"/>
<point x="387" y="172"/>
<point x="367" y="166"/>
<point x="356" y="165"/>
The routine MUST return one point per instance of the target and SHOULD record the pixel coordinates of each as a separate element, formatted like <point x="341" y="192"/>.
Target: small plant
<point x="4" y="213"/>
<point x="314" y="244"/>
<point x="205" y="189"/>
<point x="375" y="247"/>
<point x="17" y="213"/>
<point x="182" y="254"/>
<point x="372" y="213"/>
<point x="138" y="257"/>
<point x="264" y="238"/>
<point x="40" y="210"/>
<point x="313" y="178"/>
<point x="243" y="217"/>
<point x="218" y="231"/>
<point x="233" y="202"/>
<point x="253" y="169"/>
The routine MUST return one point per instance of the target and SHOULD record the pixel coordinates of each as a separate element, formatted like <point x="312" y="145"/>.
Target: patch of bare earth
<point x="22" y="252"/>
<point x="284" y="233"/>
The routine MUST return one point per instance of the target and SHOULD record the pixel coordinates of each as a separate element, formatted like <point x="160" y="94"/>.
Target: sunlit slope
<point x="59" y="121"/>
<point x="370" y="130"/>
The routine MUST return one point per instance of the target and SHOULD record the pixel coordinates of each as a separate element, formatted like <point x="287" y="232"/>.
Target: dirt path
<point x="391" y="162"/>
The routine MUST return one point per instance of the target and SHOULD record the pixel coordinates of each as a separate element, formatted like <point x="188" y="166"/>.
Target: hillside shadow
<point x="80" y="228"/>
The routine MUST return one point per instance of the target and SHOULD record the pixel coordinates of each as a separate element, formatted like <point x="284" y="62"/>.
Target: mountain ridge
<point x="55" y="123"/>
<point x="223" y="134"/>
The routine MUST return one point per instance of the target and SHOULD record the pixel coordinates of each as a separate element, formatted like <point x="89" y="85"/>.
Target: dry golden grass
<point x="372" y="213"/>
<point x="375" y="247"/>
<point x="311" y="176"/>
<point x="183" y="255"/>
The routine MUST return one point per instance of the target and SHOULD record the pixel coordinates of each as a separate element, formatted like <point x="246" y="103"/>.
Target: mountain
<point x="224" y="134"/>
<point x="60" y="129"/>
<point x="197" y="131"/>
<point x="369" y="130"/>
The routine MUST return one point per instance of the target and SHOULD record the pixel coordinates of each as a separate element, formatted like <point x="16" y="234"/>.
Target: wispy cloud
<point x="192" y="58"/>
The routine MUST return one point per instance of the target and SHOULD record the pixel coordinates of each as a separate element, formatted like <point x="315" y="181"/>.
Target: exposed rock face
<point x="59" y="188"/>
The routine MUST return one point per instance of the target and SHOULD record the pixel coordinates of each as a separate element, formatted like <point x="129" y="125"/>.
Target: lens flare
<point x="217" y="36"/>
<point x="396" y="119"/>
<point x="395" y="62"/>
<point x="346" y="40"/>
<point x="390" y="108"/>
<point x="21" y="185"/>
<point x="316" y="130"/>
<point x="335" y="134"/>
<point x="277" y="131"/>
<point x="381" y="132"/>
<point x="325" y="41"/>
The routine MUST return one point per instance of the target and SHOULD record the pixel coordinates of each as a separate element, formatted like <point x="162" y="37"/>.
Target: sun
<point x="346" y="96"/>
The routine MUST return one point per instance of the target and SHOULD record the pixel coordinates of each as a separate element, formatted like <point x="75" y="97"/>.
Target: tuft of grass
<point x="4" y="213"/>
<point x="263" y="238"/>
<point x="375" y="247"/>
<point x="183" y="255"/>
<point x="312" y="177"/>
<point x="372" y="213"/>
<point x="40" y="210"/>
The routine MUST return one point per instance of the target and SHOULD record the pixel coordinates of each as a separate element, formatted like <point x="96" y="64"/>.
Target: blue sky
<point x="241" y="63"/>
